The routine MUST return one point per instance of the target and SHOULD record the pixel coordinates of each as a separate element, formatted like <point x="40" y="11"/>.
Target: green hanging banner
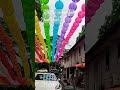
<point x="46" y="20"/>
<point x="29" y="18"/>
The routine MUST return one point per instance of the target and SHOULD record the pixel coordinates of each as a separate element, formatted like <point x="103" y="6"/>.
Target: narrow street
<point x="59" y="44"/>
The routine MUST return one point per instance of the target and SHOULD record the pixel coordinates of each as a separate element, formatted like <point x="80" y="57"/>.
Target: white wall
<point x="96" y="22"/>
<point x="74" y="56"/>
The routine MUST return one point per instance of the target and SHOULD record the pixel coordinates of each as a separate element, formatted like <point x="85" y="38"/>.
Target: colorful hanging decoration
<point x="78" y="20"/>
<point x="8" y="42"/>
<point x="72" y="8"/>
<point x="91" y="8"/>
<point x="39" y="55"/>
<point x="7" y="76"/>
<point x="39" y="34"/>
<point x="39" y="46"/>
<point x="4" y="81"/>
<point x="28" y="13"/>
<point x="12" y="23"/>
<point x="58" y="12"/>
<point x="4" y="60"/>
<point x="46" y="20"/>
<point x="38" y="60"/>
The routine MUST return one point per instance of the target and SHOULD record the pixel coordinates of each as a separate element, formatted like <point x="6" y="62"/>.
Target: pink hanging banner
<point x="78" y="20"/>
<point x="91" y="8"/>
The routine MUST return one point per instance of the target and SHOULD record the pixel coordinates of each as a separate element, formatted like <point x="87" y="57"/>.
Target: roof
<point x="104" y="38"/>
<point x="82" y="37"/>
<point x="81" y="65"/>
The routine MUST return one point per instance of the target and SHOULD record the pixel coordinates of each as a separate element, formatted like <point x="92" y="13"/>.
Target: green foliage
<point x="38" y="9"/>
<point x="111" y="20"/>
<point x="41" y="66"/>
<point x="46" y="65"/>
<point x="54" y="64"/>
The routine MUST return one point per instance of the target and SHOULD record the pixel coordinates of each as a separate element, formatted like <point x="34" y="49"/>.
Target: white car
<point x="47" y="81"/>
<point x="42" y="71"/>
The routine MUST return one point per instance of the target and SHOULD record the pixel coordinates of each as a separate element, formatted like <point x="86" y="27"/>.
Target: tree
<point x="111" y="20"/>
<point x="38" y="9"/>
<point x="42" y="65"/>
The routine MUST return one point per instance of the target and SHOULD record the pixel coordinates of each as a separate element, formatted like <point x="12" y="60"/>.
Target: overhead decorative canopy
<point x="57" y="44"/>
<point x="16" y="59"/>
<point x="24" y="41"/>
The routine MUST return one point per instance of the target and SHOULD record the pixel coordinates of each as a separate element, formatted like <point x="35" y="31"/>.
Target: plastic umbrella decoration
<point x="46" y="20"/>
<point x="78" y="20"/>
<point x="58" y="11"/>
<point x="72" y="8"/>
<point x="58" y="44"/>
<point x="16" y="63"/>
<point x="13" y="54"/>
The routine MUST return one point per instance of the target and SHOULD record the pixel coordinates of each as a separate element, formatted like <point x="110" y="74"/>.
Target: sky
<point x="104" y="10"/>
<point x="18" y="12"/>
<point x="65" y="10"/>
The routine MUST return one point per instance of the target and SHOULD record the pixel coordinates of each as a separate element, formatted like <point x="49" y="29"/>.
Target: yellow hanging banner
<point x="10" y="19"/>
<point x="38" y="32"/>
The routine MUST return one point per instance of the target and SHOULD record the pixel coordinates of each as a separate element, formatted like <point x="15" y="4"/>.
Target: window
<point x="107" y="59"/>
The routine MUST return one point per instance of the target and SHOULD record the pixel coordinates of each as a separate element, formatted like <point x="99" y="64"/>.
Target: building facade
<point x="73" y="59"/>
<point x="103" y="63"/>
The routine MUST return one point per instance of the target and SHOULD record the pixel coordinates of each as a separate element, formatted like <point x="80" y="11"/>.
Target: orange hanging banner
<point x="10" y="19"/>
<point x="39" y="46"/>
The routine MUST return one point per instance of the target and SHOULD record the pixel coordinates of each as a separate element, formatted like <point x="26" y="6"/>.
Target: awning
<point x="81" y="65"/>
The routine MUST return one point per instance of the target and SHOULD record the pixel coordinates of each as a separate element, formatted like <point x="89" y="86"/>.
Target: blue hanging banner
<point x="58" y="12"/>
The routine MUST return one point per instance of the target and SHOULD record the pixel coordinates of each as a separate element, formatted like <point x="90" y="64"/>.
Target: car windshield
<point x="47" y="77"/>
